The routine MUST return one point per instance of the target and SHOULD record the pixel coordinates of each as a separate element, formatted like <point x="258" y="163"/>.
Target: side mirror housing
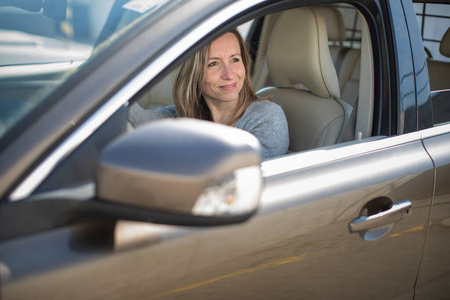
<point x="184" y="168"/>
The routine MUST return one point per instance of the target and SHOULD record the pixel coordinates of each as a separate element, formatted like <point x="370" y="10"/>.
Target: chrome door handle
<point x="397" y="212"/>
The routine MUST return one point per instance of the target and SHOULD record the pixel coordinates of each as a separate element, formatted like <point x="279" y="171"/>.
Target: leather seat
<point x="439" y="71"/>
<point x="336" y="36"/>
<point x="346" y="61"/>
<point x="305" y="82"/>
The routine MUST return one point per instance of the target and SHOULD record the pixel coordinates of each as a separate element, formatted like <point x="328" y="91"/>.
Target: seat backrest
<point x="261" y="77"/>
<point x="345" y="59"/>
<point x="336" y="34"/>
<point x="298" y="56"/>
<point x="159" y="95"/>
<point x="439" y="71"/>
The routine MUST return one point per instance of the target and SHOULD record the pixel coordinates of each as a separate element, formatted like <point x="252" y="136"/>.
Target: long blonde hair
<point x="188" y="80"/>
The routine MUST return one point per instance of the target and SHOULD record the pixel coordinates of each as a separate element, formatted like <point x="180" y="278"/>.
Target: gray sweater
<point x="264" y="119"/>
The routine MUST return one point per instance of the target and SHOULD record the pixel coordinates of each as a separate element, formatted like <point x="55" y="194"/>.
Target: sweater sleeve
<point x="267" y="122"/>
<point x="138" y="116"/>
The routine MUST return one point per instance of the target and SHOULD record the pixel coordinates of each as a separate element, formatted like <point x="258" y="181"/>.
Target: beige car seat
<point x="347" y="61"/>
<point x="439" y="71"/>
<point x="298" y="56"/>
<point x="336" y="35"/>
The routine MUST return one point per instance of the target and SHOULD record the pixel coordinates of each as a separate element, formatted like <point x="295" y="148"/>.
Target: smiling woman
<point x="223" y="79"/>
<point x="214" y="84"/>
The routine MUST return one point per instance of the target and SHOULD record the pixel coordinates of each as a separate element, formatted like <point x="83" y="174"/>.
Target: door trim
<point x="297" y="161"/>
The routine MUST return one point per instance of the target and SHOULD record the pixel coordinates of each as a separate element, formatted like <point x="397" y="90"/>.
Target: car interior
<point x="306" y="86"/>
<point x="317" y="117"/>
<point x="439" y="83"/>
<point x="436" y="67"/>
<point x="314" y="74"/>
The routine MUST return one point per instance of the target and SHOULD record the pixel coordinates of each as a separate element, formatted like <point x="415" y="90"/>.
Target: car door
<point x="345" y="221"/>
<point x="433" y="278"/>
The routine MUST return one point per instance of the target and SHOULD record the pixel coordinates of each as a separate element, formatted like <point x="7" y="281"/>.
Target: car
<point x="91" y="208"/>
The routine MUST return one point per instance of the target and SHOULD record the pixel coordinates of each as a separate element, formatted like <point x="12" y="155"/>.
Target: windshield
<point x="42" y="42"/>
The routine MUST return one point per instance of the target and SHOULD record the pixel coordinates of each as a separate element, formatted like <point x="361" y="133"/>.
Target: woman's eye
<point x="235" y="59"/>
<point x="212" y="64"/>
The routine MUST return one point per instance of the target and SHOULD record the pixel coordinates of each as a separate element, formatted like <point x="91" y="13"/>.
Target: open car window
<point x="350" y="50"/>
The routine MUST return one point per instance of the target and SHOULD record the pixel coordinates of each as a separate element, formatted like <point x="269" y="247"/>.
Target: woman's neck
<point x="223" y="113"/>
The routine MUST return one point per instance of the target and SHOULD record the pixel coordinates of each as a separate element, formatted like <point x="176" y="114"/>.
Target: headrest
<point x="445" y="44"/>
<point x="335" y="23"/>
<point x="298" y="53"/>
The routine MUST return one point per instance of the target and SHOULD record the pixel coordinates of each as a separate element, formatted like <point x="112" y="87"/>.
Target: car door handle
<point x="397" y="212"/>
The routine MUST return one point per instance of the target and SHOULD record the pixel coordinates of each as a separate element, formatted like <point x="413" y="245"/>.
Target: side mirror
<point x="202" y="172"/>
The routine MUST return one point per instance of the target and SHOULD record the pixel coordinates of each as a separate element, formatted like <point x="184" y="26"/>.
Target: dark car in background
<point x="359" y="208"/>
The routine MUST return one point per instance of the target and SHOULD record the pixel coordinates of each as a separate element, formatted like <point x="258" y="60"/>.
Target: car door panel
<point x="434" y="276"/>
<point x="297" y="244"/>
<point x="300" y="241"/>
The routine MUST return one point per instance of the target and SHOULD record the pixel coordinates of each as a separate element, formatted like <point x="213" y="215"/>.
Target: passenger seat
<point x="346" y="61"/>
<point x="336" y="38"/>
<point x="298" y="56"/>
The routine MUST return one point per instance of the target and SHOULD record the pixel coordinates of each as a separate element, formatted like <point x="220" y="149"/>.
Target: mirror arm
<point x="103" y="209"/>
<point x="27" y="217"/>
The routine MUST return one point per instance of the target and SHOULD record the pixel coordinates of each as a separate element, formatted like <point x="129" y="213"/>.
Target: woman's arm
<point x="138" y="116"/>
<point x="267" y="122"/>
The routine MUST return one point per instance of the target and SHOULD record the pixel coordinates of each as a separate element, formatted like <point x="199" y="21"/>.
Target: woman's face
<point x="225" y="71"/>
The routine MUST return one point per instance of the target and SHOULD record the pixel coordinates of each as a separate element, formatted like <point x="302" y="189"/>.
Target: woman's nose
<point x="227" y="72"/>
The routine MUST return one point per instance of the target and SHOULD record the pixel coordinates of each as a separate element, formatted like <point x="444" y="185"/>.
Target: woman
<point x="215" y="85"/>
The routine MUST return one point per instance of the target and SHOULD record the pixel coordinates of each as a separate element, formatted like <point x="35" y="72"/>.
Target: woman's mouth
<point x="228" y="87"/>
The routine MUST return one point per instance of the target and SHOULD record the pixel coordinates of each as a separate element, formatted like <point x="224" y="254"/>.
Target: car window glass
<point x="352" y="23"/>
<point x="41" y="47"/>
<point x="441" y="107"/>
<point x="434" y="20"/>
<point x="79" y="168"/>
